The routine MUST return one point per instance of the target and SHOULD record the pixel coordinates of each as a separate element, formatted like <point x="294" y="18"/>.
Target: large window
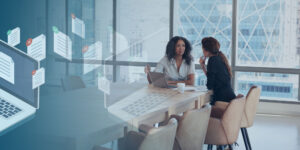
<point x="267" y="34"/>
<point x="142" y="30"/>
<point x="198" y="19"/>
<point x="273" y="85"/>
<point x="261" y="39"/>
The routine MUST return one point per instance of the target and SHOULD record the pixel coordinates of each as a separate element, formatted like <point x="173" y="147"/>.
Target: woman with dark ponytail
<point x="218" y="71"/>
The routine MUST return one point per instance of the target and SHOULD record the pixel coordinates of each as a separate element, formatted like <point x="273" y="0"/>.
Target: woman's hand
<point x="202" y="61"/>
<point x="172" y="82"/>
<point x="147" y="69"/>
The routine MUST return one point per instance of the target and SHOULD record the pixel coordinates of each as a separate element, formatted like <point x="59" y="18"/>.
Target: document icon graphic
<point x="92" y="52"/>
<point x="78" y="26"/>
<point x="13" y="36"/>
<point x="7" y="68"/>
<point x="38" y="77"/>
<point x="104" y="85"/>
<point x="62" y="44"/>
<point x="36" y="48"/>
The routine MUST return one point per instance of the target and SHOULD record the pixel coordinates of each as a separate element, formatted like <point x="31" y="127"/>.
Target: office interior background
<point x="261" y="39"/>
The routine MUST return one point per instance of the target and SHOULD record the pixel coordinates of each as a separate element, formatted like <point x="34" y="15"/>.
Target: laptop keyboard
<point x="148" y="102"/>
<point x="7" y="110"/>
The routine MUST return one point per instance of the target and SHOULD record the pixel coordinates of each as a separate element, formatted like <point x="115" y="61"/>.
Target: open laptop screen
<point x="16" y="74"/>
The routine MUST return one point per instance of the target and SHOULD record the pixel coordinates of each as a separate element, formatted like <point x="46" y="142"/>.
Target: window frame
<point x="234" y="48"/>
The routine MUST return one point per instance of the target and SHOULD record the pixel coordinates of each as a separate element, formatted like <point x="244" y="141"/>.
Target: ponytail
<point x="224" y="59"/>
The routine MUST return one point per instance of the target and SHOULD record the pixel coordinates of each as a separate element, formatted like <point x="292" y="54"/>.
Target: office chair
<point x="192" y="127"/>
<point x="252" y="100"/>
<point x="150" y="138"/>
<point x="223" y="127"/>
<point x="71" y="83"/>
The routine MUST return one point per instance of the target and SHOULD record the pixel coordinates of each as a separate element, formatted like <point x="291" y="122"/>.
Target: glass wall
<point x="267" y="35"/>
<point x="198" y="19"/>
<point x="142" y="30"/>
<point x="273" y="85"/>
<point x="134" y="33"/>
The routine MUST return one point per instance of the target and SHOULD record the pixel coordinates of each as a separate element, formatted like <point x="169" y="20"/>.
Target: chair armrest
<point x="145" y="128"/>
<point x="177" y="117"/>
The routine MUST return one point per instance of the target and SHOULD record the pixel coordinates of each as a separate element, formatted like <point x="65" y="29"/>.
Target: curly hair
<point x="171" y="49"/>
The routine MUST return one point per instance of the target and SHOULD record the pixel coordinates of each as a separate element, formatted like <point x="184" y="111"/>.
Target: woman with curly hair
<point x="177" y="64"/>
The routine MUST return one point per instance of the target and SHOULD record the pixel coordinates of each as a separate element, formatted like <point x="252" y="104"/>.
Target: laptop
<point x="18" y="100"/>
<point x="159" y="80"/>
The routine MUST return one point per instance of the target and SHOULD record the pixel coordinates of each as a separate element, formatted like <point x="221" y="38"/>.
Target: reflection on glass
<point x="268" y="33"/>
<point x="273" y="86"/>
<point x="198" y="19"/>
<point x="131" y="74"/>
<point x="142" y="30"/>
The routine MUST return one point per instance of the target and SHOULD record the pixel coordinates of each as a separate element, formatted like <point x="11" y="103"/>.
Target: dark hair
<point x="171" y="48"/>
<point x="212" y="45"/>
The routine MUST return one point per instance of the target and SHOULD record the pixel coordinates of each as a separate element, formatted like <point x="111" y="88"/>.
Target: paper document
<point x="7" y="68"/>
<point x="13" y="36"/>
<point x="62" y="44"/>
<point x="92" y="52"/>
<point x="104" y="85"/>
<point x="78" y="26"/>
<point x="38" y="77"/>
<point x="36" y="48"/>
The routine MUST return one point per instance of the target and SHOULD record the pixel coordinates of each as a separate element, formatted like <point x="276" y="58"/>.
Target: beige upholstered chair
<point x="151" y="138"/>
<point x="223" y="127"/>
<point x="252" y="100"/>
<point x="192" y="127"/>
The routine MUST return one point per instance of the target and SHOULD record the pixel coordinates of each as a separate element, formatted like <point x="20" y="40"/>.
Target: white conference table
<point x="175" y="104"/>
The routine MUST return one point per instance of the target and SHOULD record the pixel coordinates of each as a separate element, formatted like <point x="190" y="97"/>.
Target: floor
<point x="273" y="133"/>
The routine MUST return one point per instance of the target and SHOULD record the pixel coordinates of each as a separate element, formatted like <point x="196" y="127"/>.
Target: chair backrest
<point x="71" y="83"/>
<point x="231" y="119"/>
<point x="161" y="137"/>
<point x="192" y="128"/>
<point x="252" y="100"/>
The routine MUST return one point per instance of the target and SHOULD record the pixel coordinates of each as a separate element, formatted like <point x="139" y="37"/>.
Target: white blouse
<point x="170" y="69"/>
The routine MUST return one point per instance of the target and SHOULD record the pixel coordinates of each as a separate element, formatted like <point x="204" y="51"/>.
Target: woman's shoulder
<point x="214" y="59"/>
<point x="164" y="60"/>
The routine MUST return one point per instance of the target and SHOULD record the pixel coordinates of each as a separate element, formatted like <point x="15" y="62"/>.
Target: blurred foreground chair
<point x="71" y="83"/>
<point x="150" y="138"/>
<point x="192" y="127"/>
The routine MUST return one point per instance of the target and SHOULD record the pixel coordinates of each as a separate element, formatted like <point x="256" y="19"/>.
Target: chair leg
<point x="230" y="147"/>
<point x="209" y="147"/>
<point x="245" y="137"/>
<point x="221" y="147"/>
<point x="248" y="140"/>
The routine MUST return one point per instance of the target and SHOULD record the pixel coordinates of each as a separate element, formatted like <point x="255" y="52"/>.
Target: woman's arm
<point x="189" y="81"/>
<point x="147" y="69"/>
<point x="204" y="69"/>
<point x="202" y="64"/>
